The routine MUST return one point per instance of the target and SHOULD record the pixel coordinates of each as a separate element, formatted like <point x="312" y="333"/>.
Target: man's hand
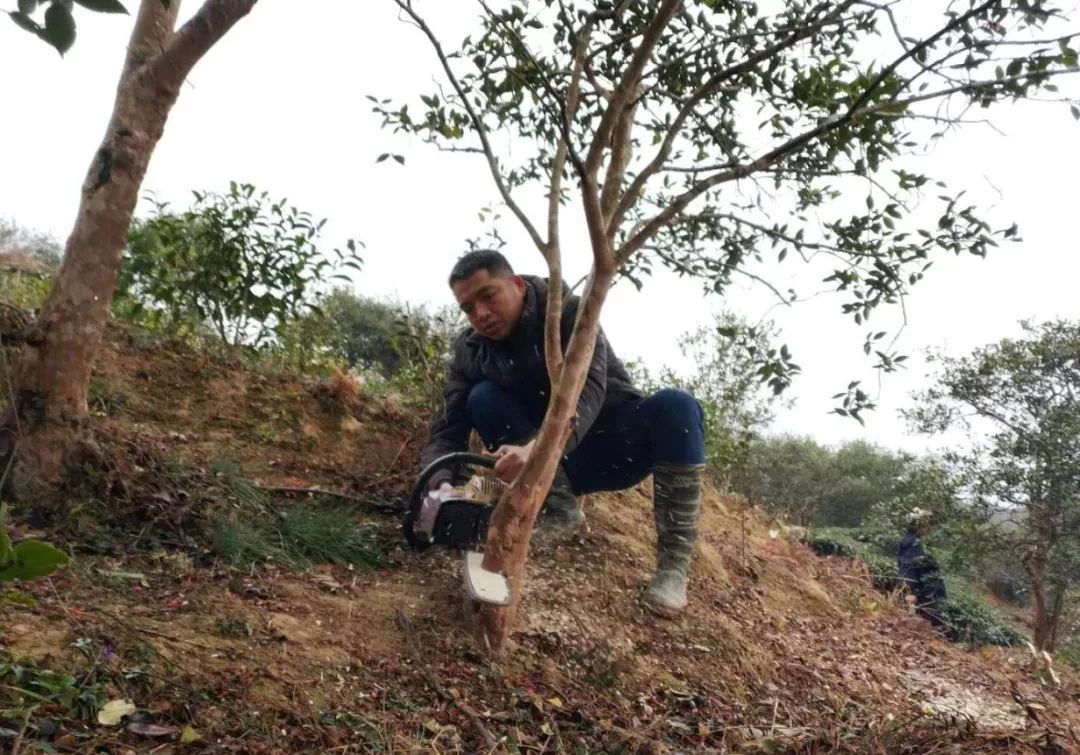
<point x="510" y="460"/>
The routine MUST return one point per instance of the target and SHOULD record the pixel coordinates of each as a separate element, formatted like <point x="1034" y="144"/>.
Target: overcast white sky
<point x="280" y="103"/>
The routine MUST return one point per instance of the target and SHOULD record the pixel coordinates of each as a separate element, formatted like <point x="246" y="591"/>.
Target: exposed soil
<point x="779" y="651"/>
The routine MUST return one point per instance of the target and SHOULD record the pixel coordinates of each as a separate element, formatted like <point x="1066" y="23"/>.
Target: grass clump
<point x="300" y="536"/>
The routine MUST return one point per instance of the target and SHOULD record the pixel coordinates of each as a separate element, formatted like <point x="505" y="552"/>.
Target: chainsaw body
<point x="455" y="518"/>
<point x="458" y="518"/>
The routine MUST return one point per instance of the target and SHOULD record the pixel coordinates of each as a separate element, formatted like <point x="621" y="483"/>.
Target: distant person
<point x="919" y="571"/>
<point x="497" y="383"/>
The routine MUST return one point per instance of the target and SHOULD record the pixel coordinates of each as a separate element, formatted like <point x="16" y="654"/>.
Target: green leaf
<point x="33" y="559"/>
<point x="59" y="28"/>
<point x="27" y="6"/>
<point x="24" y="21"/>
<point x="104" y="6"/>
<point x="1075" y="111"/>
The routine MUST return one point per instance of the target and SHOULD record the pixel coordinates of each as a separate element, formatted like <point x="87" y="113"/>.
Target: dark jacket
<point x="918" y="569"/>
<point x="517" y="364"/>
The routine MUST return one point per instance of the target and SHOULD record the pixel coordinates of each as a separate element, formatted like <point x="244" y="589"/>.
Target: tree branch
<point x="192" y="40"/>
<point x="154" y="28"/>
<point x="742" y="171"/>
<point x="478" y="124"/>
<point x="422" y="666"/>
<point x="553" y="353"/>
<point x="564" y="123"/>
<point x="706" y="90"/>
<point x="620" y="157"/>
<point x="627" y="86"/>
<point x="916" y="49"/>
<point x="618" y="102"/>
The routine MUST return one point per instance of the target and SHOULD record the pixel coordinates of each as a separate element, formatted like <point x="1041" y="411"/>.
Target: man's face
<point x="493" y="304"/>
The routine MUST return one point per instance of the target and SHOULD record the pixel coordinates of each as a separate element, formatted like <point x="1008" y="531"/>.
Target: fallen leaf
<point x="189" y="735"/>
<point x="555" y="702"/>
<point x="114" y="710"/>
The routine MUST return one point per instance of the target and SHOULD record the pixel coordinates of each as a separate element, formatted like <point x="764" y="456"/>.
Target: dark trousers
<point x="620" y="448"/>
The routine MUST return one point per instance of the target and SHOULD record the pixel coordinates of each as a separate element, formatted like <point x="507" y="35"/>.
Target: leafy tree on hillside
<point x="1025" y="469"/>
<point x="683" y="130"/>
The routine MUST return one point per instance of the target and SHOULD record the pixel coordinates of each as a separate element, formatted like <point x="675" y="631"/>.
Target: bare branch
<point x="468" y="150"/>
<point x="553" y="353"/>
<point x="784" y="300"/>
<point x="478" y="124"/>
<point x="620" y="99"/>
<point x="192" y="40"/>
<point x="154" y="28"/>
<point x="620" y="157"/>
<point x="628" y="85"/>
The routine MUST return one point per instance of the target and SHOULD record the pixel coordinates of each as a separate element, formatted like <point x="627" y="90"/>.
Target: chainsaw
<point x="456" y="516"/>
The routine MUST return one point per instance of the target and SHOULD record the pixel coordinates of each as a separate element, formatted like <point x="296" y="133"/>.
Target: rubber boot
<point x="676" y="507"/>
<point x="561" y="514"/>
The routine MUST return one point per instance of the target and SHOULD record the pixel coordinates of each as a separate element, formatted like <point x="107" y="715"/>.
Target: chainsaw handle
<point x="420" y="489"/>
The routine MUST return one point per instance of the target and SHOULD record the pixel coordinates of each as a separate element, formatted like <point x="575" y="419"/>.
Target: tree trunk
<point x="1040" y="619"/>
<point x="1055" y="618"/>
<point x="1043" y="618"/>
<point x="507" y="547"/>
<point x="53" y="376"/>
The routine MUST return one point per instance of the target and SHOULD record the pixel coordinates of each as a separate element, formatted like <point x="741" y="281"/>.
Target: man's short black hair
<point x="477" y="260"/>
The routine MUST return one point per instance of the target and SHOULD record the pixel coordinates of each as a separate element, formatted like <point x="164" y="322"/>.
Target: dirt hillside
<point x="779" y="651"/>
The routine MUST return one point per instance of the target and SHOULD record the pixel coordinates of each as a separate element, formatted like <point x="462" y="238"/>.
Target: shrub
<point x="239" y="261"/>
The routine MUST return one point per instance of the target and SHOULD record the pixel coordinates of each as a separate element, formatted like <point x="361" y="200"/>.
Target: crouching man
<point x="497" y="384"/>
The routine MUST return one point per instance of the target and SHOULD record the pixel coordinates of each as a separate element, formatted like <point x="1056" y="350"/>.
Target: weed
<point x="601" y="666"/>
<point x="300" y="536"/>
<point x="103" y="401"/>
<point x="233" y="628"/>
<point x="229" y="475"/>
<point x="24" y="685"/>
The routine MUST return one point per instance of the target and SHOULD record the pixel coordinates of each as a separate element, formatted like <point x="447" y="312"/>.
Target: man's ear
<point x="519" y="283"/>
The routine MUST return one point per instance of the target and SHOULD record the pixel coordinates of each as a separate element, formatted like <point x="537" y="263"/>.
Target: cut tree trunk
<point x="507" y="546"/>
<point x="53" y="375"/>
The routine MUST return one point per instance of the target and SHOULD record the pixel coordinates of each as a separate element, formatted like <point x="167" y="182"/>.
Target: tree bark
<point x="507" y="548"/>
<point x="53" y="375"/>
<point x="1042" y="630"/>
<point x="1054" y="618"/>
<point x="1043" y="620"/>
